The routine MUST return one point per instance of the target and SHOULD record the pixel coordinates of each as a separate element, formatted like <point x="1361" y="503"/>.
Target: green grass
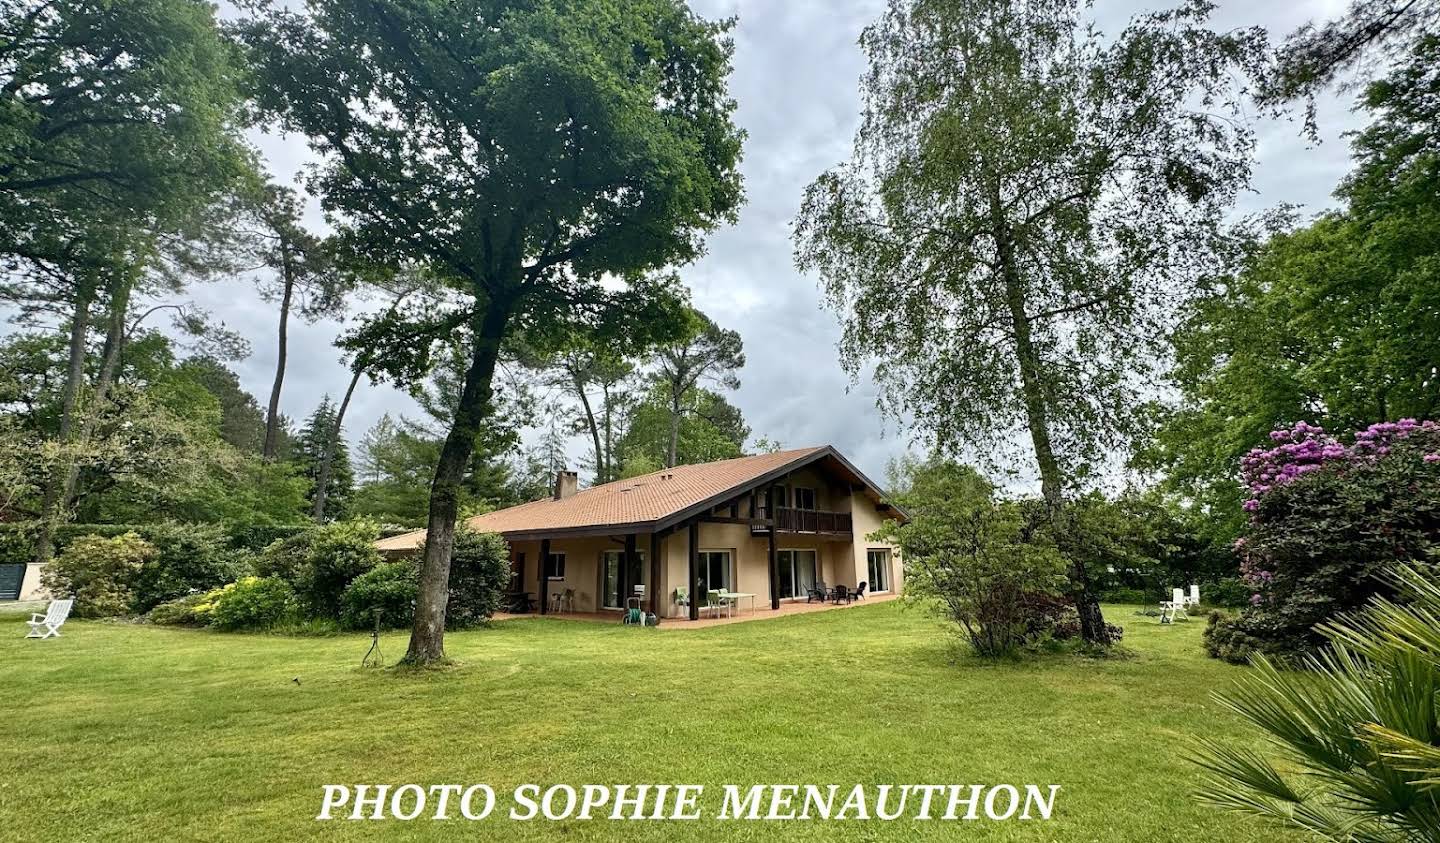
<point x="132" y="732"/>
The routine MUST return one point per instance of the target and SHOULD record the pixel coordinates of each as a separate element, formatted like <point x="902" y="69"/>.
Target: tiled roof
<point x="637" y="500"/>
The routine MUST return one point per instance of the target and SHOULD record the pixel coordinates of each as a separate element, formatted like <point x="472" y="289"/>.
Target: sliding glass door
<point x="797" y="572"/>
<point x="878" y="564"/>
<point x="610" y="577"/>
<point x="715" y="571"/>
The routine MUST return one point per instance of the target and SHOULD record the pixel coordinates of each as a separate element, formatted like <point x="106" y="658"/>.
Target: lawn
<point x="131" y="732"/>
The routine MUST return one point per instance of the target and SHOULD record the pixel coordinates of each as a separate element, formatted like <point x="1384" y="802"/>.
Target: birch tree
<point x="1026" y="201"/>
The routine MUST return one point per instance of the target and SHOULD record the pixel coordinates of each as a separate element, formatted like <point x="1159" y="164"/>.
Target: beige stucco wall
<point x="30" y="587"/>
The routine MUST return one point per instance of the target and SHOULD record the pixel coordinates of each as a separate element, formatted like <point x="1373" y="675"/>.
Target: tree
<point x="706" y="352"/>
<point x="119" y="139"/>
<point x="1367" y="35"/>
<point x="399" y="286"/>
<point x="114" y="113"/>
<point x="242" y="422"/>
<point x="1020" y="215"/>
<point x="307" y="282"/>
<point x="312" y="448"/>
<point x="710" y="429"/>
<point x="522" y="154"/>
<point x="1336" y="322"/>
<point x="579" y="371"/>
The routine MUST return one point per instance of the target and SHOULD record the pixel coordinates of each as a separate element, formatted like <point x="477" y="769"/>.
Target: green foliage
<point x="309" y="449"/>
<point x="390" y="587"/>
<point x="99" y="573"/>
<point x="479" y="577"/>
<point x="98" y="144"/>
<point x="1023" y="195"/>
<point x="1230" y="592"/>
<point x="1351" y="746"/>
<point x="1127" y="595"/>
<point x="242" y="422"/>
<point x="975" y="557"/>
<point x="1336" y="322"/>
<point x="322" y="561"/>
<point x="252" y="603"/>
<point x="182" y="610"/>
<point x="708" y="428"/>
<point x="188" y="558"/>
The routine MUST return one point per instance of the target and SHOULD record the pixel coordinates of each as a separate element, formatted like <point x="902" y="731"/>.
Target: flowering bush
<point x="1326" y="518"/>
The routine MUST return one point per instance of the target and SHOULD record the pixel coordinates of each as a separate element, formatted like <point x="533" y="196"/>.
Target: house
<point x="770" y="525"/>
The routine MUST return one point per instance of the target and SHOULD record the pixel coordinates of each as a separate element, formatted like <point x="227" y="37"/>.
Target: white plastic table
<point x="736" y="596"/>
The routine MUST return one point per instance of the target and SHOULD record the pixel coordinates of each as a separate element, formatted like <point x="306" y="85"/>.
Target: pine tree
<point x="310" y="448"/>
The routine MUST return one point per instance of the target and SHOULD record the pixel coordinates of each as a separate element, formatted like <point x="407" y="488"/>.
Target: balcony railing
<point x="790" y="520"/>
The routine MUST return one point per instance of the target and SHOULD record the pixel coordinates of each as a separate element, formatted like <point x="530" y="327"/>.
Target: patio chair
<point x="860" y="590"/>
<point x="1194" y="598"/>
<point x="48" y="625"/>
<point x="1177" y="600"/>
<point x="567" y="600"/>
<point x="682" y="601"/>
<point x="816" y="592"/>
<point x="840" y="593"/>
<point x="715" y="603"/>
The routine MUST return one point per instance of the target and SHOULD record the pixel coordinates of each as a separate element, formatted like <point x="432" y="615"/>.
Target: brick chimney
<point x="567" y="483"/>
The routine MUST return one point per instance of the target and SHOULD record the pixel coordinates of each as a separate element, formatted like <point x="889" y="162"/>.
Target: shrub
<point x="251" y="603"/>
<point x="1125" y="595"/>
<point x="1230" y="592"/>
<point x="390" y="587"/>
<point x="479" y="577"/>
<point x="98" y="573"/>
<point x="189" y="558"/>
<point x="1327" y="521"/>
<point x="320" y="562"/>
<point x="1355" y="734"/>
<point x="180" y="611"/>
<point x="977" y="558"/>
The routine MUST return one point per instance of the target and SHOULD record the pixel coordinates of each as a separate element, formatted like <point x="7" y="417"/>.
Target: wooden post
<point x="694" y="588"/>
<point x="544" y="579"/>
<point x="654" y="584"/>
<point x="774" y="557"/>
<point x="627" y="588"/>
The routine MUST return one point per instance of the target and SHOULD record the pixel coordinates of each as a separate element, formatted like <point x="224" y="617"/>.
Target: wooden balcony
<point x="790" y="520"/>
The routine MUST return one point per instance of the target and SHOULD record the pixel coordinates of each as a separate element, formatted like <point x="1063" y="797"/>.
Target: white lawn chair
<point x="1177" y="598"/>
<point x="1194" y="598"/>
<point x="48" y="625"/>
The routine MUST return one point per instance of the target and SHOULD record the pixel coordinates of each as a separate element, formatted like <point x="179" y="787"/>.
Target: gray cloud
<point x="797" y="67"/>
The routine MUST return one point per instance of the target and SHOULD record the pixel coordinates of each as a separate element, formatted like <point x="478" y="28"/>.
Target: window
<point x="555" y="566"/>
<point x="878" y="562"/>
<point x="804" y="498"/>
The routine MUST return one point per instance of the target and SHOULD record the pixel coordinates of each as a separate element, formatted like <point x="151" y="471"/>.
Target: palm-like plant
<point x="1356" y="737"/>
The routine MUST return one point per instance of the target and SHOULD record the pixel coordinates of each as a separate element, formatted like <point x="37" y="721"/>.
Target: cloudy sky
<point x="795" y="78"/>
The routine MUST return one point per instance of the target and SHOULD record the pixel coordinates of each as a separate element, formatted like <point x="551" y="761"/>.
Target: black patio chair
<point x="816" y="592"/>
<point x="840" y="594"/>
<point x="860" y="591"/>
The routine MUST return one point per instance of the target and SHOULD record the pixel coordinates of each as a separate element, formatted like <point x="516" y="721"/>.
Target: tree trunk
<point x="272" y="417"/>
<point x="1092" y="622"/>
<point x="332" y="444"/>
<point x="590" y="423"/>
<point x="70" y="397"/>
<point x="608" y="410"/>
<point x="115" y="336"/>
<point x="673" y="456"/>
<point x="427" y="638"/>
